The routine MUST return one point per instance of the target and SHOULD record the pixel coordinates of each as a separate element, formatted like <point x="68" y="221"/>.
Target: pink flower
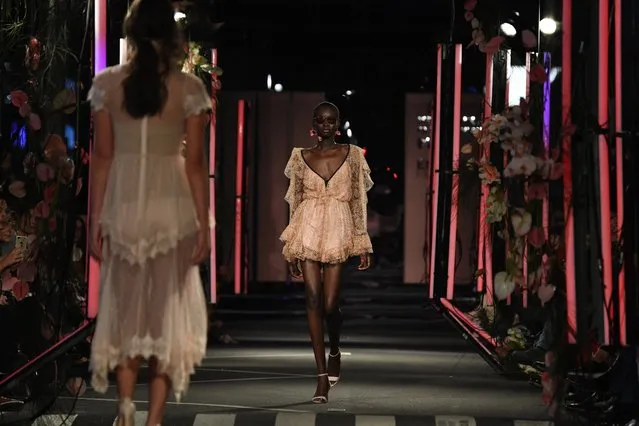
<point x="17" y="189"/>
<point x="468" y="16"/>
<point x="24" y="110"/>
<point x="537" y="237"/>
<point x="493" y="44"/>
<point x="34" y="121"/>
<point x="19" y="98"/>
<point x="470" y="5"/>
<point x="44" y="172"/>
<point x="8" y="281"/>
<point x="537" y="191"/>
<point x="538" y="74"/>
<point x="528" y="39"/>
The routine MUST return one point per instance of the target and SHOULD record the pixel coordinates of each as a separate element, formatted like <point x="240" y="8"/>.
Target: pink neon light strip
<point x="452" y="238"/>
<point x="485" y="258"/>
<point x="435" y="169"/>
<point x="239" y="195"/>
<point x="509" y="71"/>
<point x="100" y="62"/>
<point x="470" y="324"/>
<point x="524" y="292"/>
<point x="212" y="152"/>
<point x="619" y="166"/>
<point x="604" y="168"/>
<point x="566" y="105"/>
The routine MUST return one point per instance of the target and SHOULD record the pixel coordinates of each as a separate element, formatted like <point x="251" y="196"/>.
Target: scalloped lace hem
<point x="142" y="249"/>
<point x="107" y="358"/>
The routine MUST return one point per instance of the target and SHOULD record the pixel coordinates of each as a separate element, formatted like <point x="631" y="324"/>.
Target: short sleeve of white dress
<point x="97" y="96"/>
<point x="196" y="98"/>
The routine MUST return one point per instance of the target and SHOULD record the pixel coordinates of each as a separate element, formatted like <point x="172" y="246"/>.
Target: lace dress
<point x="152" y="302"/>
<point x="327" y="218"/>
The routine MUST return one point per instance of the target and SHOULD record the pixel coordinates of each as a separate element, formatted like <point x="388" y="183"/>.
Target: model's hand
<point x="202" y="247"/>
<point x="364" y="262"/>
<point x="294" y="269"/>
<point x="95" y="241"/>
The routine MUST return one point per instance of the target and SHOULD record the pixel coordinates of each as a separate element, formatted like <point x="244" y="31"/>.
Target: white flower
<point x="521" y="221"/>
<point x="524" y="165"/>
<point x="503" y="285"/>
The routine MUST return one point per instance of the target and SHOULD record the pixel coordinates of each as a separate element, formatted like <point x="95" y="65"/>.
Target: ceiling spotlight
<point x="508" y="29"/>
<point x="269" y="82"/>
<point x="278" y="87"/>
<point x="548" y="26"/>
<point x="178" y="16"/>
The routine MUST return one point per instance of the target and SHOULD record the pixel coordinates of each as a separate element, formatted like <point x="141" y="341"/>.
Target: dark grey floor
<point x="406" y="371"/>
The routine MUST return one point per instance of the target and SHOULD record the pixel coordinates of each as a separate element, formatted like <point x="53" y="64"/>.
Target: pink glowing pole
<point x="435" y="176"/>
<point x="509" y="71"/>
<point x="452" y="239"/>
<point x="566" y="143"/>
<point x="485" y="258"/>
<point x="604" y="167"/>
<point x="212" y="152"/>
<point x="100" y="61"/>
<point x="524" y="293"/>
<point x="619" y="167"/>
<point x="239" y="196"/>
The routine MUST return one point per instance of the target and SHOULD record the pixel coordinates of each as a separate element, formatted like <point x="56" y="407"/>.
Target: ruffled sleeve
<point x="97" y="96"/>
<point x="196" y="99"/>
<point x="361" y="184"/>
<point x="293" y="172"/>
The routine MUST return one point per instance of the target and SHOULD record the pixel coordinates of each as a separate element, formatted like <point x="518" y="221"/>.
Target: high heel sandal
<point x="321" y="399"/>
<point x="333" y="380"/>
<point x="126" y="413"/>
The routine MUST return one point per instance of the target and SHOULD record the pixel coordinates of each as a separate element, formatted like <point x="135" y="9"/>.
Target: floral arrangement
<point x="195" y="63"/>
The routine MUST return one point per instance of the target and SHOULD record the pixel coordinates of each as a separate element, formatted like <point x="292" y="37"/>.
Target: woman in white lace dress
<point x="149" y="214"/>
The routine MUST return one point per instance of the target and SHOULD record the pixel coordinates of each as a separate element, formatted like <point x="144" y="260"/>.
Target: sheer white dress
<point x="152" y="302"/>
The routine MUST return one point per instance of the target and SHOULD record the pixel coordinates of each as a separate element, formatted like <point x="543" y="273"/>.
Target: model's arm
<point x="197" y="105"/>
<point x="362" y="183"/>
<point x="295" y="188"/>
<point x="102" y="152"/>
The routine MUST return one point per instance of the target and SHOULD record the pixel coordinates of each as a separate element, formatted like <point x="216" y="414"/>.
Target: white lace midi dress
<point x="152" y="301"/>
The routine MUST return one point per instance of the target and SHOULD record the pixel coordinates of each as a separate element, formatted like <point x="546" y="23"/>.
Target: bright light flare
<point x="548" y="26"/>
<point x="178" y="16"/>
<point x="508" y="29"/>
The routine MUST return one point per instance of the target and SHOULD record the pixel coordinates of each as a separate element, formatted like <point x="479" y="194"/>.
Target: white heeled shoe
<point x="333" y="380"/>
<point x="321" y="399"/>
<point x="126" y="413"/>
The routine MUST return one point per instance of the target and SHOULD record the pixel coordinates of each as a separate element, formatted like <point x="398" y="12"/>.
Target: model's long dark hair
<point x="153" y="37"/>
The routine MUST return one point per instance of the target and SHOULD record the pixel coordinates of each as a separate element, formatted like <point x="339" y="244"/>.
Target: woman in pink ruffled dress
<point x="149" y="222"/>
<point x="327" y="226"/>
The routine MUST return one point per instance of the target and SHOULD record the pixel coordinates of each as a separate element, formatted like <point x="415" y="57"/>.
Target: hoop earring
<point x="338" y="133"/>
<point x="312" y="133"/>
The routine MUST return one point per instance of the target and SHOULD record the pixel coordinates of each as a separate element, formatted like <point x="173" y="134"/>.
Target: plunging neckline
<point x="326" y="181"/>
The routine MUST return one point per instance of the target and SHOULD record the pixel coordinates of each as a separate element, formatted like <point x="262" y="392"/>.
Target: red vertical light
<point x="604" y="167"/>
<point x="435" y="172"/>
<point x="239" y="196"/>
<point x="452" y="239"/>
<point x="566" y="105"/>
<point x="619" y="167"/>
<point x="100" y="62"/>
<point x="485" y="258"/>
<point x="212" y="152"/>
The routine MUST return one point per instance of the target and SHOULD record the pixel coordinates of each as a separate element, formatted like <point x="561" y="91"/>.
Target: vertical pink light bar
<point x="509" y="72"/>
<point x="566" y="105"/>
<point x="604" y="167"/>
<point x="485" y="258"/>
<point x="454" y="203"/>
<point x="619" y="167"/>
<point x="212" y="152"/>
<point x="239" y="196"/>
<point x="100" y="61"/>
<point x="524" y="293"/>
<point x="435" y="168"/>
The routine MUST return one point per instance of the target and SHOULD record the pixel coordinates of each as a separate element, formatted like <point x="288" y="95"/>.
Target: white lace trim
<point x="107" y="358"/>
<point x="139" y="251"/>
<point x="197" y="103"/>
<point x="97" y="97"/>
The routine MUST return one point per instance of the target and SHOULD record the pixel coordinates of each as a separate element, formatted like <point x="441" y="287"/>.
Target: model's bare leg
<point x="314" y="311"/>
<point x="126" y="376"/>
<point x="159" y="386"/>
<point x="332" y="286"/>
